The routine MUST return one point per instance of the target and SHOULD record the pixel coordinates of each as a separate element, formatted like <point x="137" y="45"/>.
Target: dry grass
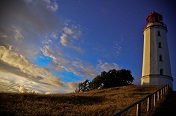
<point x="167" y="106"/>
<point x="96" y="102"/>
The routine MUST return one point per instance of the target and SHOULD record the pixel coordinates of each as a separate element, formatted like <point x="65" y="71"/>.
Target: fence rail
<point x="156" y="97"/>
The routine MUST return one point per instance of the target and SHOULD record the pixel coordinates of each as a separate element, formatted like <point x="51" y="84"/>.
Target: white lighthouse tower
<point x="156" y="68"/>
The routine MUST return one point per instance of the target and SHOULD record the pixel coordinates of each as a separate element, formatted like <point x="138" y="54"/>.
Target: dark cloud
<point x="4" y="67"/>
<point x="22" y="22"/>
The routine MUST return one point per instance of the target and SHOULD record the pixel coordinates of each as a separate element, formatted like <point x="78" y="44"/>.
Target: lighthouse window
<point x="160" y="58"/>
<point x="159" y="34"/>
<point x="161" y="71"/>
<point x="159" y="45"/>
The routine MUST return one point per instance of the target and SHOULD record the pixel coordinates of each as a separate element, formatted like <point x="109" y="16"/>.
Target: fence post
<point x="158" y="95"/>
<point x="166" y="87"/>
<point x="162" y="92"/>
<point x="148" y="103"/>
<point x="138" y="110"/>
<point x="154" y="99"/>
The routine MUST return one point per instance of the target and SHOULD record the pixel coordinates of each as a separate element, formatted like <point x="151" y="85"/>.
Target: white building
<point x="156" y="68"/>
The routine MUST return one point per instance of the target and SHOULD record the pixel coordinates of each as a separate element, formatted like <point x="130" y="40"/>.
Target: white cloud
<point x="64" y="40"/>
<point x="48" y="51"/>
<point x="63" y="63"/>
<point x="10" y="82"/>
<point x="107" y="66"/>
<point x="22" y="89"/>
<point x="58" y="59"/>
<point x="88" y="70"/>
<point x="54" y="35"/>
<point x="48" y="93"/>
<point x="18" y="36"/>
<point x="30" y="28"/>
<point x="20" y="62"/>
<point x="77" y="66"/>
<point x="13" y="59"/>
<point x="52" y="5"/>
<point x="47" y="41"/>
<point x="70" y="36"/>
<point x="68" y="31"/>
<point x="72" y="85"/>
<point x="44" y="81"/>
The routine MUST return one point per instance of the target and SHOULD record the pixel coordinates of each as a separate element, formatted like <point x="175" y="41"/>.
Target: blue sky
<point x="52" y="45"/>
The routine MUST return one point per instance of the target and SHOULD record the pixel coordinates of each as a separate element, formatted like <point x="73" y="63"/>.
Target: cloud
<point x="19" y="61"/>
<point x="23" y="23"/>
<point x="68" y="31"/>
<point x="64" y="40"/>
<point x="23" y="27"/>
<point x="72" y="85"/>
<point x="107" y="66"/>
<point x="15" y="68"/>
<point x="22" y="89"/>
<point x="78" y="49"/>
<point x="75" y="65"/>
<point x="21" y="14"/>
<point x="118" y="44"/>
<point x="63" y="63"/>
<point x="48" y="93"/>
<point x="58" y="58"/>
<point x="54" y="35"/>
<point x="48" y="51"/>
<point x="29" y="28"/>
<point x="10" y="82"/>
<point x="21" y="76"/>
<point x="18" y="36"/>
<point x="52" y="5"/>
<point x="69" y="36"/>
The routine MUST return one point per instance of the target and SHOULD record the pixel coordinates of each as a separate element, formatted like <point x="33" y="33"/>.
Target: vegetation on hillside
<point x="112" y="78"/>
<point x="96" y="102"/>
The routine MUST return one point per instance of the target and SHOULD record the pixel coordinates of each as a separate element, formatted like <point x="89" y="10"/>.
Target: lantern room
<point x="154" y="17"/>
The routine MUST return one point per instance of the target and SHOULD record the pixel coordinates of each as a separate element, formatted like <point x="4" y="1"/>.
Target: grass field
<point x="104" y="102"/>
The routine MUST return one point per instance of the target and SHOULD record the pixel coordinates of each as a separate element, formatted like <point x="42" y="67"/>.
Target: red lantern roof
<point x="154" y="17"/>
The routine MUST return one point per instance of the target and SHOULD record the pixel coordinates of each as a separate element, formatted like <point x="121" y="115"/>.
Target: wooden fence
<point x="152" y="99"/>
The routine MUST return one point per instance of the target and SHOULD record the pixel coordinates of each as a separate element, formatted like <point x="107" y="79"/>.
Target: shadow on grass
<point x="167" y="107"/>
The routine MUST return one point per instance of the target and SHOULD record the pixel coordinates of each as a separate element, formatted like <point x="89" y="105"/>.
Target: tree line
<point x="112" y="78"/>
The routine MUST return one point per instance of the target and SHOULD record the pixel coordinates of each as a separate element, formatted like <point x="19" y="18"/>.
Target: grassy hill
<point x="167" y="107"/>
<point x="96" y="102"/>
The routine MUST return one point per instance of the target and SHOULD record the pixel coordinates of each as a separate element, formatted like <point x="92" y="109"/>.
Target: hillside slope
<point x="168" y="106"/>
<point x="95" y="102"/>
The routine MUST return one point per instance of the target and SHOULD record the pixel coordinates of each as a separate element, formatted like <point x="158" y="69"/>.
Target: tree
<point x="84" y="86"/>
<point x="112" y="78"/>
<point x="125" y="77"/>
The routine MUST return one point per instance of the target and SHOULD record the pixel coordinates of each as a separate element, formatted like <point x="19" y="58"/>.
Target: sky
<point x="49" y="46"/>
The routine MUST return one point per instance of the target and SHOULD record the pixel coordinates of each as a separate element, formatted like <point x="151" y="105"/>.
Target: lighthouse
<point x="156" y="68"/>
